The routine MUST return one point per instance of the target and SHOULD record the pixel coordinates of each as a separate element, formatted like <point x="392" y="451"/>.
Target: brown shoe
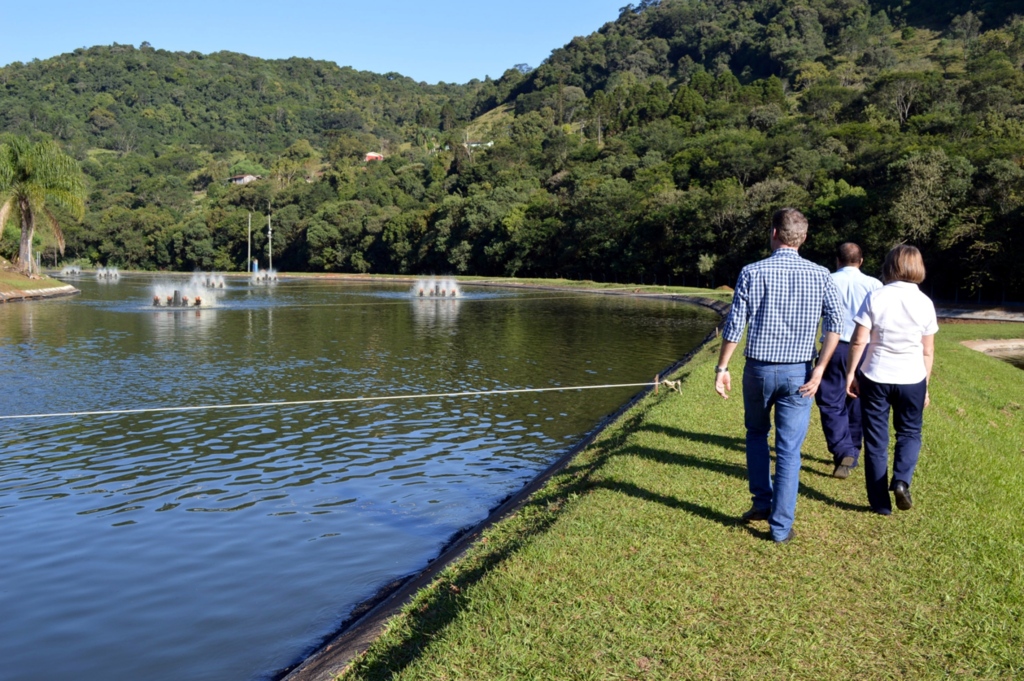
<point x="843" y="468"/>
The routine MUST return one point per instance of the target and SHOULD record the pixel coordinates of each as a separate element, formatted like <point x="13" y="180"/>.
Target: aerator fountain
<point x="436" y="288"/>
<point x="201" y="290"/>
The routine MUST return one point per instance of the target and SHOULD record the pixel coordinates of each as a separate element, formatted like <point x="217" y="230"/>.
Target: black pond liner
<point x="327" y="658"/>
<point x="1015" y="360"/>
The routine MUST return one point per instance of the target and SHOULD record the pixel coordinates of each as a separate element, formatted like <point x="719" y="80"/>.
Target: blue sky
<point x="448" y="40"/>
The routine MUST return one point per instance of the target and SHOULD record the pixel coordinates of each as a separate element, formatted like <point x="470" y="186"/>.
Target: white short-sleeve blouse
<point x="897" y="315"/>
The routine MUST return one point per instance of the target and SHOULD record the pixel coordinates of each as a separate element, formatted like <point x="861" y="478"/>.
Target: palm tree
<point x="34" y="176"/>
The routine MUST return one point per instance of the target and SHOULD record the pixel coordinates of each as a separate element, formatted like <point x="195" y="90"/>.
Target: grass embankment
<point x="723" y="295"/>
<point x="11" y="280"/>
<point x="631" y="565"/>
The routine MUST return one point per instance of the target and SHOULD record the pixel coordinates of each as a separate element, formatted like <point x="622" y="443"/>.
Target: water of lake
<point x="223" y="544"/>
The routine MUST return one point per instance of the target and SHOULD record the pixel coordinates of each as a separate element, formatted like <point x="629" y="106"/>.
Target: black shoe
<point x="755" y="514"/>
<point x="789" y="537"/>
<point x="902" y="494"/>
<point x="843" y="468"/>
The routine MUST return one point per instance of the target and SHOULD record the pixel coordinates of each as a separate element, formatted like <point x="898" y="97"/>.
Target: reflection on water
<point x="436" y="312"/>
<point x="221" y="544"/>
<point x="169" y="324"/>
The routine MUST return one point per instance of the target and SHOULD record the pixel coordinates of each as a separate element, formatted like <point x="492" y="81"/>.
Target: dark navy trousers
<point x="840" y="413"/>
<point x="907" y="405"/>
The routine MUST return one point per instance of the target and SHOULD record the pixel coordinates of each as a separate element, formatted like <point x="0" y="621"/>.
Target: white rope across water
<point x="339" y="400"/>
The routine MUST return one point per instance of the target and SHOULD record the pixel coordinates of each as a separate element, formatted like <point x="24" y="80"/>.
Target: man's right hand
<point x="723" y="384"/>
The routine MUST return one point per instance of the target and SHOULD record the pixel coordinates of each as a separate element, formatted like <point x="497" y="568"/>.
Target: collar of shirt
<point x="785" y="251"/>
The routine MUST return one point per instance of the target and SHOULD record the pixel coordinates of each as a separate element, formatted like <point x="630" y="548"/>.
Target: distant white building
<point x="374" y="156"/>
<point x="243" y="179"/>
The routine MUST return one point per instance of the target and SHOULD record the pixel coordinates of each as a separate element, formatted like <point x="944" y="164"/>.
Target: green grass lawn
<point x="631" y="565"/>
<point x="13" y="281"/>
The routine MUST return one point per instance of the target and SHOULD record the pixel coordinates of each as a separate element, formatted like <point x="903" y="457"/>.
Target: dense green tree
<point x="930" y="189"/>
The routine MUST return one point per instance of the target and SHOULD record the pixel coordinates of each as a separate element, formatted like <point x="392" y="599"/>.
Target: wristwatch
<point x="721" y="370"/>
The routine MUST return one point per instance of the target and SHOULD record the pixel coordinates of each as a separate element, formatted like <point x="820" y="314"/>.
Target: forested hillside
<point x="652" y="150"/>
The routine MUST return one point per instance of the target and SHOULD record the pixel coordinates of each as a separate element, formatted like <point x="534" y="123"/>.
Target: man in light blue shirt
<point x="840" y="414"/>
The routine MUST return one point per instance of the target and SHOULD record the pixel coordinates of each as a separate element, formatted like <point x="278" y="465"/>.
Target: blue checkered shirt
<point x="782" y="298"/>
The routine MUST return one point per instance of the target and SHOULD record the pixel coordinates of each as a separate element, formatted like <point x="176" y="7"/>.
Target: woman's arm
<point x="861" y="335"/>
<point x="928" y="347"/>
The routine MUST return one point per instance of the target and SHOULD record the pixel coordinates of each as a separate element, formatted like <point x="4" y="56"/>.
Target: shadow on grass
<point x="698" y="510"/>
<point x="441" y="603"/>
<point x="812" y="493"/>
<point x="817" y="459"/>
<point x="638" y="492"/>
<point x="687" y="460"/>
<point x="734" y="471"/>
<point x="736" y="444"/>
<point x="804" y="469"/>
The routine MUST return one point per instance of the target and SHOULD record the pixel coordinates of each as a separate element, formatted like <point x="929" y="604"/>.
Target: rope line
<point x="339" y="400"/>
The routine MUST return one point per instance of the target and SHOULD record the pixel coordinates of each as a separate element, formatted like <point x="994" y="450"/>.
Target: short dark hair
<point x="790" y="226"/>
<point x="903" y="263"/>
<point x="849" y="254"/>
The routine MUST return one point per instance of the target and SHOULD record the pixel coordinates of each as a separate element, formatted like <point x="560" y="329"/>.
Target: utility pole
<point x="248" y="253"/>
<point x="270" y="244"/>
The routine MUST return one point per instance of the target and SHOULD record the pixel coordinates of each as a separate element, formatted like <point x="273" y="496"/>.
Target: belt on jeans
<point x="765" y="361"/>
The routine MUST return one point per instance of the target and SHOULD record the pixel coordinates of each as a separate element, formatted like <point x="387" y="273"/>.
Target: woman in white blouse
<point x="897" y="324"/>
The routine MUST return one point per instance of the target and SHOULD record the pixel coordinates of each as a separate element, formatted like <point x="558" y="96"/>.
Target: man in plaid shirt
<point x="781" y="298"/>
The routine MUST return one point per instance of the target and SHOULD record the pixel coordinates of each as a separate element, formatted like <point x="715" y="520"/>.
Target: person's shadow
<point x="442" y="604"/>
<point x="736" y="470"/>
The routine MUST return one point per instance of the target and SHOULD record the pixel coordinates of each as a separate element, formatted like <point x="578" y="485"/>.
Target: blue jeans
<point x="767" y="386"/>
<point x="907" y="405"/>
